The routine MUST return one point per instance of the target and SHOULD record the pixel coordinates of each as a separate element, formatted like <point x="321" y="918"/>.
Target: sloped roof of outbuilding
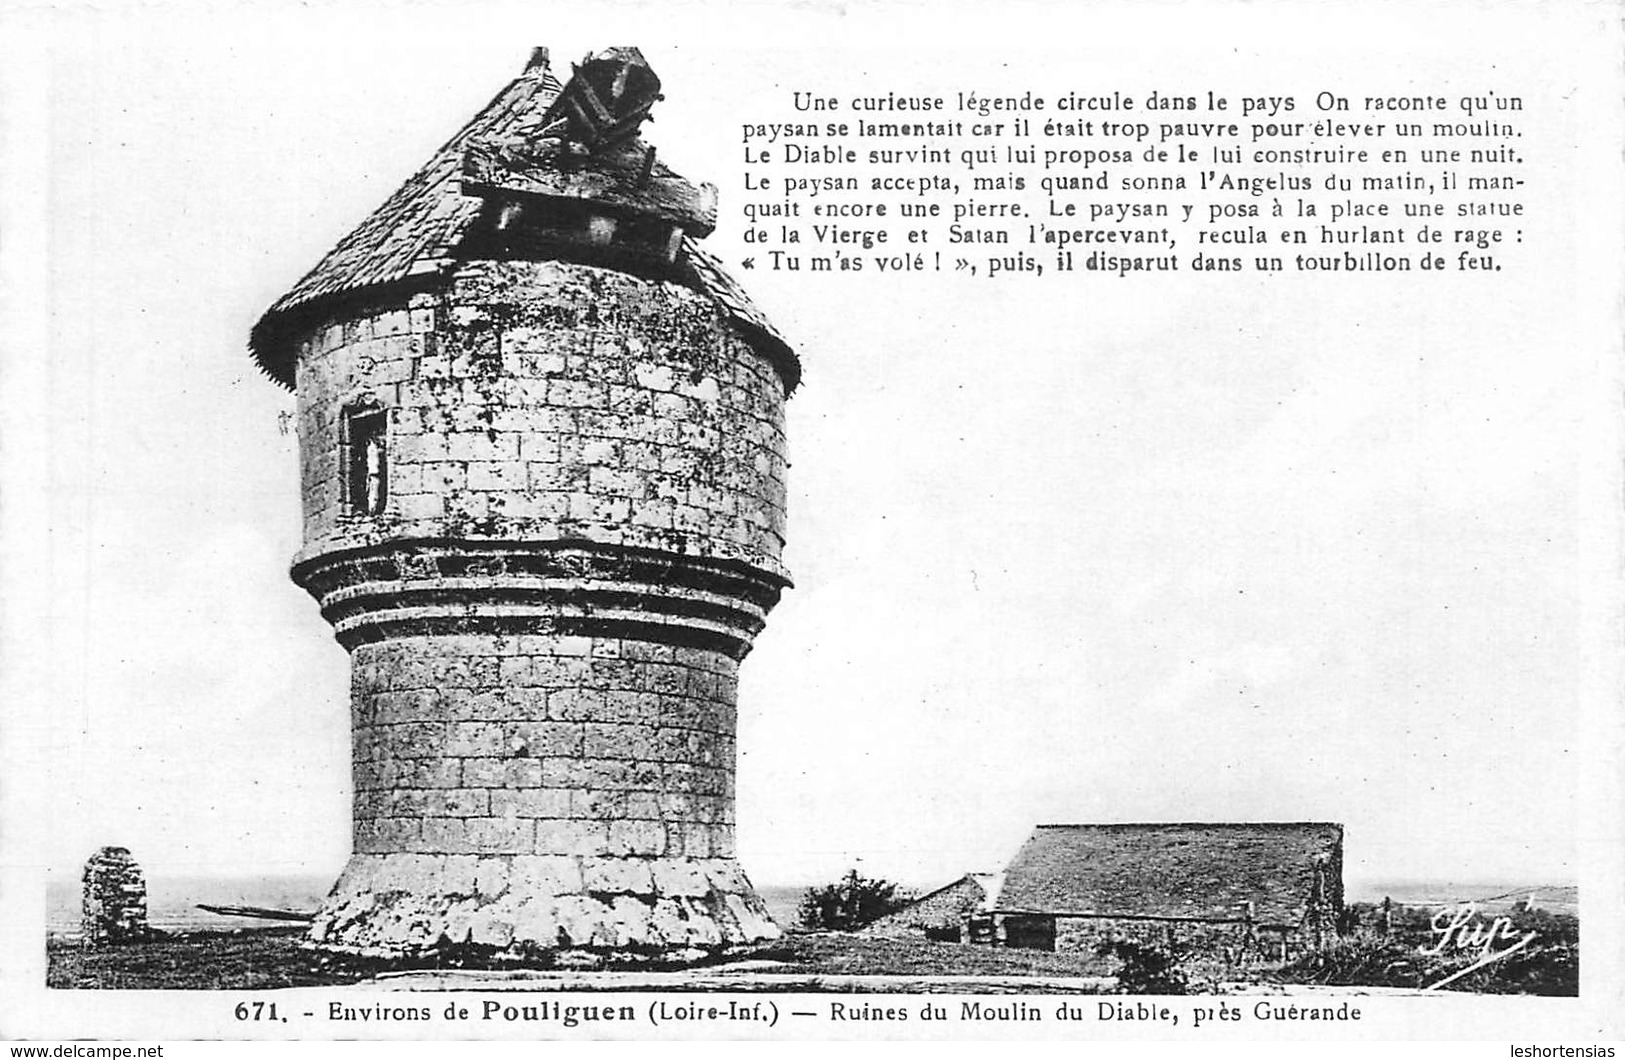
<point x="414" y="237"/>
<point x="1184" y="870"/>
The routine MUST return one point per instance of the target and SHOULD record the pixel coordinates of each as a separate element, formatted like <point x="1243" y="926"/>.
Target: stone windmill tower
<point x="542" y="443"/>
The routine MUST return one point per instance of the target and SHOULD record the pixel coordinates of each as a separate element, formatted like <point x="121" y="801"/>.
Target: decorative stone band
<point x="431" y="587"/>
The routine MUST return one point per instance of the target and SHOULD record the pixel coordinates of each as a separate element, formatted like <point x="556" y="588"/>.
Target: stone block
<point x="682" y="712"/>
<point x="615" y="875"/>
<point x="646" y="651"/>
<point x="574" y="704"/>
<point x="642" y="806"/>
<point x="405" y="744"/>
<point x="619" y="741"/>
<point x="569" y="646"/>
<point x="540" y="452"/>
<point x="691" y="778"/>
<point x="516" y="671"/>
<point x="439" y="802"/>
<point x="442" y="835"/>
<point x="541" y="739"/>
<point x="417" y="874"/>
<point x="628" y="922"/>
<point x="497" y="475"/>
<point x="576" y="393"/>
<point x="476" y="445"/>
<point x="457" y="923"/>
<point x="536" y="921"/>
<point x="702" y="926"/>
<point x="678" y="806"/>
<point x="507" y="773"/>
<point x="650" y="376"/>
<point x="750" y="918"/>
<point x="524" y="704"/>
<point x="535" y="365"/>
<point x="582" y="922"/>
<point x="490" y="927"/>
<point x="458" y="874"/>
<point x="443" y="476"/>
<point x="531" y="802"/>
<point x="452" y="671"/>
<point x="419" y="448"/>
<point x="370" y="775"/>
<point x="506" y="835"/>
<point x="597" y="804"/>
<point x="394" y="322"/>
<point x="491" y="876"/>
<point x="601" y="774"/>
<point x="464" y="705"/>
<point x="417" y="506"/>
<point x="546" y="873"/>
<point x="679" y="878"/>
<point x="664" y="678"/>
<point x="630" y="708"/>
<point x="471" y="739"/>
<point x="571" y="837"/>
<point x="637" y="838"/>
<point x="463" y="508"/>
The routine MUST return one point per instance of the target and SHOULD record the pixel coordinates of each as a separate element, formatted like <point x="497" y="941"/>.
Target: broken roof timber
<point x="616" y="182"/>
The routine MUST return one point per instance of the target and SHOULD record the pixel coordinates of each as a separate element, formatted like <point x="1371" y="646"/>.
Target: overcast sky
<point x="1083" y="550"/>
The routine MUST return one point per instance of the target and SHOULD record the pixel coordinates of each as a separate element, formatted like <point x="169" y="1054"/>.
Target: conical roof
<point x="413" y="240"/>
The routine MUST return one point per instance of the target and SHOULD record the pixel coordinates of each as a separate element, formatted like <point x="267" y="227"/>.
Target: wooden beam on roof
<point x="611" y="181"/>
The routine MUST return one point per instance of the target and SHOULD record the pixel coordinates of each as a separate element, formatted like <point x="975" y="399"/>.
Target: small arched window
<point x="365" y="458"/>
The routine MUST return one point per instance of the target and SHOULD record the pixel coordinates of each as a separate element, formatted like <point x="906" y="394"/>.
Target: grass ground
<point x="255" y="960"/>
<point x="270" y="958"/>
<point x="1541" y="954"/>
<point x="193" y="961"/>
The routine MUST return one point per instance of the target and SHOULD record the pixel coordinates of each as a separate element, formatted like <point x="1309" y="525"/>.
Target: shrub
<point x="850" y="903"/>
<point x="1548" y="966"/>
<point x="1147" y="969"/>
<point x="1360" y="960"/>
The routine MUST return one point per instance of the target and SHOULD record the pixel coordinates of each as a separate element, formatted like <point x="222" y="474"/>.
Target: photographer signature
<point x="1461" y="930"/>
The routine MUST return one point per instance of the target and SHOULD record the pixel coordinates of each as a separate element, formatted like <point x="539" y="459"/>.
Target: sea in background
<point x="172" y="901"/>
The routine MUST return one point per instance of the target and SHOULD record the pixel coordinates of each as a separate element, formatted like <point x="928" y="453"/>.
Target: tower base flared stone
<point x="523" y="908"/>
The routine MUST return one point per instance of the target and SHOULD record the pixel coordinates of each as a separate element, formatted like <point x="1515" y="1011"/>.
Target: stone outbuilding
<point x="543" y="484"/>
<point x="1264" y="890"/>
<point x="945" y="914"/>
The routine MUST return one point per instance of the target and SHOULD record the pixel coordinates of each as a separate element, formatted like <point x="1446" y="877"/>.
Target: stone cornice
<point x="437" y="587"/>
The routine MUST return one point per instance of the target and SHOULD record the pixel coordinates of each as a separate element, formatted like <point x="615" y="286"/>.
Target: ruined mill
<point x="542" y="446"/>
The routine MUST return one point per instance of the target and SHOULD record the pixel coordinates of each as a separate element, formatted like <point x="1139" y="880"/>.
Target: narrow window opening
<point x="366" y="460"/>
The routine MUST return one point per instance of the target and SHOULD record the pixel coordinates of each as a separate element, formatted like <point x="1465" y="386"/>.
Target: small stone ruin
<point x="115" y="899"/>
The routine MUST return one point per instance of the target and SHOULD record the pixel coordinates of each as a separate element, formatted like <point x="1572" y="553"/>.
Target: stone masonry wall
<point x="1229" y="943"/>
<point x="544" y="401"/>
<point x="594" y="747"/>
